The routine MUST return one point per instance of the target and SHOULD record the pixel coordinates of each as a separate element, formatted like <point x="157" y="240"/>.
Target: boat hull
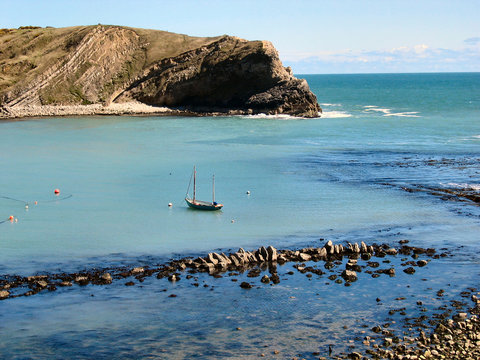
<point x="202" y="205"/>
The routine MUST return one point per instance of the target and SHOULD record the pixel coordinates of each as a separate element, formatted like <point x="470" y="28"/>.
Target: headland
<point x="104" y="69"/>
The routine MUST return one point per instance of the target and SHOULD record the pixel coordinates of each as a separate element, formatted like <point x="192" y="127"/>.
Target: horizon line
<point x="393" y="73"/>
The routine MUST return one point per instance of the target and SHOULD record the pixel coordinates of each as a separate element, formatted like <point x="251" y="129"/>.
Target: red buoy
<point x="10" y="218"/>
<point x="57" y="191"/>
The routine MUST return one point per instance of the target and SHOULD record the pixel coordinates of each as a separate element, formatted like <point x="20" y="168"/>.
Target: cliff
<point x="90" y="65"/>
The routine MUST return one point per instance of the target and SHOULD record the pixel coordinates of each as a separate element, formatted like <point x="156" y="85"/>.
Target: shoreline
<point x="130" y="108"/>
<point x="133" y="108"/>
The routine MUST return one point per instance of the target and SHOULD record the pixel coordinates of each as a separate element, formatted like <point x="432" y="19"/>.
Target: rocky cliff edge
<point x="84" y="67"/>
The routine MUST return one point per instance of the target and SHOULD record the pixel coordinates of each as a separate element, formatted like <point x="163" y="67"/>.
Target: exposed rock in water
<point x="349" y="275"/>
<point x="254" y="263"/>
<point x="112" y="64"/>
<point x="106" y="278"/>
<point x="245" y="285"/>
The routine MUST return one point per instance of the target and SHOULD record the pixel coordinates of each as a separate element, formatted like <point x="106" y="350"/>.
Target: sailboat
<point x="198" y="204"/>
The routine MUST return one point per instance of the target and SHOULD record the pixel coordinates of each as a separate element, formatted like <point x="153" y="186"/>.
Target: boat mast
<point x="194" y="182"/>
<point x="213" y="189"/>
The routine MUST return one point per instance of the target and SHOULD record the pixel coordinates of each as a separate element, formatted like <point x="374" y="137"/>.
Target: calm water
<point x="308" y="178"/>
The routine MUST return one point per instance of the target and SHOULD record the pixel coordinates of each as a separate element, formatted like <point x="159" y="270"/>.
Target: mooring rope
<point x="57" y="199"/>
<point x="13" y="199"/>
<point x="26" y="203"/>
<point x="37" y="202"/>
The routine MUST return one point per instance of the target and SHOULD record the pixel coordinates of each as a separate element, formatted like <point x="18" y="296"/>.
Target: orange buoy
<point x="36" y="202"/>
<point x="10" y="218"/>
<point x="56" y="191"/>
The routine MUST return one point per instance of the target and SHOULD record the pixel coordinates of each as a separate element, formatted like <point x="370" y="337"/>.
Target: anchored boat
<point x="198" y="204"/>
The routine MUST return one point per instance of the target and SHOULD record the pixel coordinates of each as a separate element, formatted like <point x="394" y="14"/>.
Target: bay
<point x="339" y="177"/>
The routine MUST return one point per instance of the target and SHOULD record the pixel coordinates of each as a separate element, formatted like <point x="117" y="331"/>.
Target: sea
<point x="284" y="181"/>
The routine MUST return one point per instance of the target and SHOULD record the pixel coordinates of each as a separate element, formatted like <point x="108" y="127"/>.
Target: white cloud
<point x="418" y="58"/>
<point x="472" y="41"/>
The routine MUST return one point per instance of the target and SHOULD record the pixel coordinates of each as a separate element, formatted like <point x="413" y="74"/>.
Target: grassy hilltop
<point x="29" y="52"/>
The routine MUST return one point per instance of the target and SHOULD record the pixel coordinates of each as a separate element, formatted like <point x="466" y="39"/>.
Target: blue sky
<point x="330" y="36"/>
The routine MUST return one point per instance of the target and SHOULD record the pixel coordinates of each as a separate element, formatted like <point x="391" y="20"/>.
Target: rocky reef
<point x="104" y="65"/>
<point x="215" y="264"/>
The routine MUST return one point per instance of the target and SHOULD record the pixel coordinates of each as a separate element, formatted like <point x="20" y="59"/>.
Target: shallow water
<point x="308" y="178"/>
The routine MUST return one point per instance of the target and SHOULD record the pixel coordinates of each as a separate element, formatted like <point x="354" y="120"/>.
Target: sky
<point x="311" y="36"/>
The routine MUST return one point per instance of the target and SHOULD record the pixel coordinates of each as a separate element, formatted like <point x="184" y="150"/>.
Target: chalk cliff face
<point x="111" y="64"/>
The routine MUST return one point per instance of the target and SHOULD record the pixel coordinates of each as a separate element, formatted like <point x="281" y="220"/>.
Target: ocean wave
<point x="465" y="186"/>
<point x="388" y="112"/>
<point x="335" y="114"/>
<point x="404" y="114"/>
<point x="265" y="116"/>
<point x="327" y="104"/>
<point x="476" y="136"/>
<point x="377" y="109"/>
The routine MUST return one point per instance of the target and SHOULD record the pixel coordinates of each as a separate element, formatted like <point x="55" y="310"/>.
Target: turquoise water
<point x="308" y="178"/>
<point x="123" y="171"/>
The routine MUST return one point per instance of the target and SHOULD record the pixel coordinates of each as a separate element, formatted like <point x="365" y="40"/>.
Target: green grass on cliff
<point x="30" y="53"/>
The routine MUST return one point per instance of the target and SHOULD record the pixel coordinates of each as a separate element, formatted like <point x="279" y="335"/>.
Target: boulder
<point x="42" y="284"/>
<point x="181" y="266"/>
<point x="106" y="278"/>
<point x="263" y="251"/>
<point x="338" y="249"/>
<point x="363" y="248"/>
<point x="349" y="275"/>
<point x="322" y="253"/>
<point x="241" y="257"/>
<point x="352" y="265"/>
<point x="271" y="254"/>
<point x="329" y="247"/>
<point x="251" y="257"/>
<point x="82" y="280"/>
<point x="259" y="257"/>
<point x="304" y="257"/>
<point x="235" y="260"/>
<point x="221" y="259"/>
<point x="4" y="294"/>
<point x="275" y="278"/>
<point x="265" y="279"/>
<point x="173" y="278"/>
<point x="355" y="356"/>
<point x="226" y="259"/>
<point x="245" y="285"/>
<point x="356" y="248"/>
<point x="391" y="251"/>
<point x="281" y="259"/>
<point x="137" y="270"/>
<point x="212" y="259"/>
<point x="208" y="267"/>
<point x="254" y="273"/>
